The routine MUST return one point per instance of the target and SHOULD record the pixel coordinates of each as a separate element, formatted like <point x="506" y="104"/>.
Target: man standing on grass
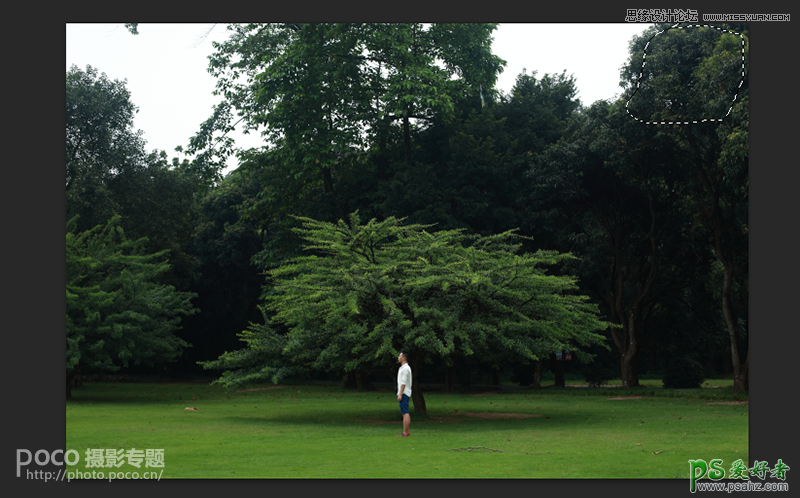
<point x="404" y="391"/>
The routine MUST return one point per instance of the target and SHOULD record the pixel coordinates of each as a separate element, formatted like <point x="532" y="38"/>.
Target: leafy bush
<point x="597" y="376"/>
<point x="684" y="373"/>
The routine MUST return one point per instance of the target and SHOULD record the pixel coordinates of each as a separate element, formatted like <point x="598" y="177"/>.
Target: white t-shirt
<point x="404" y="377"/>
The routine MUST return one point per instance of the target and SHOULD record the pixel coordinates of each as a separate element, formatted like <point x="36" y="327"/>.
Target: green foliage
<point x="108" y="172"/>
<point x="100" y="143"/>
<point x="118" y="313"/>
<point x="367" y="291"/>
<point x="321" y="92"/>
<point x="538" y="110"/>
<point x="465" y="177"/>
<point x="684" y="373"/>
<point x="690" y="73"/>
<point x="229" y="284"/>
<point x="597" y="376"/>
<point x="701" y="71"/>
<point x="466" y="173"/>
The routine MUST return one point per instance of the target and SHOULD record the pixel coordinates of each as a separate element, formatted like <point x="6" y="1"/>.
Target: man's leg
<point x="406" y="422"/>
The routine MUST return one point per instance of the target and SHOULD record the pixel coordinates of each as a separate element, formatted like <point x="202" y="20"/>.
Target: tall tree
<point x="118" y="312"/>
<point x="108" y="172"/>
<point x="100" y="143"/>
<point x="321" y="92"/>
<point x="700" y="73"/>
<point x="538" y="110"/>
<point x="229" y="285"/>
<point x="607" y="186"/>
<point x="368" y="291"/>
<point x="466" y="173"/>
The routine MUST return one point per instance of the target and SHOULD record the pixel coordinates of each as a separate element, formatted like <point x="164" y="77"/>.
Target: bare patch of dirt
<point x="627" y="397"/>
<point x="442" y="419"/>
<point x="260" y="389"/>
<point x="728" y="403"/>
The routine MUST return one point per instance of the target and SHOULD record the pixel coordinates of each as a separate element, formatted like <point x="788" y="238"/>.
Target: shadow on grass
<point x="445" y="421"/>
<point x="157" y="394"/>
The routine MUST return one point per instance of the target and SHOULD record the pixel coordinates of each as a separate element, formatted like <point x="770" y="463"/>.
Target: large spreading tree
<point x="365" y="291"/>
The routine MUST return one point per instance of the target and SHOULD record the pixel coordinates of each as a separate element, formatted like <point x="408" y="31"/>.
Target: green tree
<point x="323" y="92"/>
<point x="467" y="171"/>
<point x="701" y="71"/>
<point x="108" y="172"/>
<point x="100" y="144"/>
<point x="229" y="285"/>
<point x="117" y="311"/>
<point x="606" y="189"/>
<point x="537" y="110"/>
<point x="367" y="291"/>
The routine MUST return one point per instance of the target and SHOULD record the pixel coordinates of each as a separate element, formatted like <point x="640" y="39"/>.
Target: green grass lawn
<point x="320" y="431"/>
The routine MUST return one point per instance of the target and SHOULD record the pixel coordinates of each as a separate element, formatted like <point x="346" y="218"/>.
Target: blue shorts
<point x="404" y="404"/>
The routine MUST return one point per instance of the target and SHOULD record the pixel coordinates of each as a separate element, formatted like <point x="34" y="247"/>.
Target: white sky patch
<point x="166" y="67"/>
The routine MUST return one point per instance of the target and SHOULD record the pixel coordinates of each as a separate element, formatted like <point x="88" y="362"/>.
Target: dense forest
<point x="634" y="211"/>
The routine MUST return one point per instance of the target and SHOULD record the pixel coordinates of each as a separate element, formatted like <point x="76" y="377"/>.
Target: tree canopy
<point x="323" y="92"/>
<point x="118" y="311"/>
<point x="368" y="290"/>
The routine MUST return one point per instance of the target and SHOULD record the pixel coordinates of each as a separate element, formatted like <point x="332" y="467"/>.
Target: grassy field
<point x="319" y="431"/>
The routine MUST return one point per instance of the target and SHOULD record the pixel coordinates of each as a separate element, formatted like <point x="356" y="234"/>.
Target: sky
<point x="166" y="67"/>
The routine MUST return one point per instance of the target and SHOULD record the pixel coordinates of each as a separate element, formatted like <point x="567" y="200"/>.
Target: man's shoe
<point x="405" y="434"/>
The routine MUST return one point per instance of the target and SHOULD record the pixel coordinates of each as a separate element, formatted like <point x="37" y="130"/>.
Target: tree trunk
<point x="406" y="138"/>
<point x="72" y="377"/>
<point x="416" y="391"/>
<point x="327" y="181"/>
<point x="630" y="319"/>
<point x="722" y="229"/>
<point x="537" y="374"/>
<point x="383" y="157"/>
<point x="740" y="381"/>
<point x="630" y="377"/>
<point x="630" y="374"/>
